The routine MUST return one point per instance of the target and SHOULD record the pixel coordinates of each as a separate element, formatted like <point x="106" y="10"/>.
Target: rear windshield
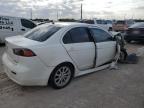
<point x="138" y="25"/>
<point x="109" y="22"/>
<point x="42" y="33"/>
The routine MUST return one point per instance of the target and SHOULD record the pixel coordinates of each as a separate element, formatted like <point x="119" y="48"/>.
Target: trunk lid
<point x="17" y="42"/>
<point x="21" y="41"/>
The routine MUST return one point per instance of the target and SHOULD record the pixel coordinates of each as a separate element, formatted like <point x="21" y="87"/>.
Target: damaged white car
<point x="54" y="54"/>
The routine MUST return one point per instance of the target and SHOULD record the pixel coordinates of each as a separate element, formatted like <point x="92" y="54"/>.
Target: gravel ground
<point x="122" y="88"/>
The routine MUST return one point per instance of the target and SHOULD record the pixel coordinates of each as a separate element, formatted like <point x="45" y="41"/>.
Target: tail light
<point x="23" y="52"/>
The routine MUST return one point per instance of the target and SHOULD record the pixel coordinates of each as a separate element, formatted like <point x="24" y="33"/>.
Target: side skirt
<point x="92" y="70"/>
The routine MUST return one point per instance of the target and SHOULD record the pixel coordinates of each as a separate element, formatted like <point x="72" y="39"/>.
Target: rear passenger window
<point x="27" y="23"/>
<point x="100" y="35"/>
<point x="67" y="38"/>
<point x="42" y="33"/>
<point x="76" y="35"/>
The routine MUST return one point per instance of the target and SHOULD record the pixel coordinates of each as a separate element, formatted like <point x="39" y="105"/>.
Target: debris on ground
<point x="140" y="51"/>
<point x="132" y="59"/>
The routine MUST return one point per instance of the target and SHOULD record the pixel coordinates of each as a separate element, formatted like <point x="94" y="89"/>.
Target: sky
<point x="103" y="9"/>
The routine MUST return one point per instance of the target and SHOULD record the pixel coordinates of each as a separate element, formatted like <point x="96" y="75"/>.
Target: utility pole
<point x="81" y="11"/>
<point x="31" y="14"/>
<point x="57" y="15"/>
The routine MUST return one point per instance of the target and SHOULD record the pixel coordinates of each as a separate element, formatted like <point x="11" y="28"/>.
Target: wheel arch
<point x="63" y="63"/>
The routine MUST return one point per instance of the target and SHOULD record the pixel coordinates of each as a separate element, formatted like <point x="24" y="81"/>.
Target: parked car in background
<point x="12" y="26"/>
<point x="106" y="24"/>
<point x="109" y="24"/>
<point x="135" y="32"/>
<point x="122" y="25"/>
<point x="55" y="53"/>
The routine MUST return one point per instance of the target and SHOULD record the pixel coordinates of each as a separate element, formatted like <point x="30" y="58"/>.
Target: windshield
<point x="109" y="22"/>
<point x="41" y="33"/>
<point x="101" y="22"/>
<point x="120" y="22"/>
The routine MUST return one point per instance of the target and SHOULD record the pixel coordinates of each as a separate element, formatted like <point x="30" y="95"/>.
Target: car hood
<point x="114" y="33"/>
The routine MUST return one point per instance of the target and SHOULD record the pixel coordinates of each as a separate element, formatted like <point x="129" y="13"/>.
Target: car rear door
<point x="80" y="47"/>
<point x="105" y="45"/>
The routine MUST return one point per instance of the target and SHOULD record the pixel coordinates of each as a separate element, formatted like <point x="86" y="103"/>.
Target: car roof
<point x="64" y="24"/>
<point x="72" y="24"/>
<point x="13" y="17"/>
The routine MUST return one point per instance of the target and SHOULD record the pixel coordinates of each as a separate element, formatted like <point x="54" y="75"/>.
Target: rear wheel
<point x="61" y="76"/>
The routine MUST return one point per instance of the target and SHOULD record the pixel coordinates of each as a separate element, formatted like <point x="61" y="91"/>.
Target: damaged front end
<point x="122" y="55"/>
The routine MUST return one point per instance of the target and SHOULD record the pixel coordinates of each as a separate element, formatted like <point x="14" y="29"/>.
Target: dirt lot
<point x="122" y="88"/>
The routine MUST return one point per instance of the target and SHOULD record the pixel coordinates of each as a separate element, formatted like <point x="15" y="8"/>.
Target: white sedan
<point x="55" y="53"/>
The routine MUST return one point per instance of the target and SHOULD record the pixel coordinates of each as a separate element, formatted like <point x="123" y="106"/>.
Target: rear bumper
<point x="27" y="75"/>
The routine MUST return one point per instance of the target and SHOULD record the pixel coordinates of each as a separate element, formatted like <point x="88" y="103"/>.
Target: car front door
<point x="80" y="47"/>
<point x="105" y="46"/>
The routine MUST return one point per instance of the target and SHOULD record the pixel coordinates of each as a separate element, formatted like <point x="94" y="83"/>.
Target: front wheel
<point x="61" y="76"/>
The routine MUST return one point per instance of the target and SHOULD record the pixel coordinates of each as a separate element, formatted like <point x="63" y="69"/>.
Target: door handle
<point x="23" y="29"/>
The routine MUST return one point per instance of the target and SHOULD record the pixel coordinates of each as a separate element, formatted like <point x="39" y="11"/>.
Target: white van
<point x="12" y="26"/>
<point x="105" y="24"/>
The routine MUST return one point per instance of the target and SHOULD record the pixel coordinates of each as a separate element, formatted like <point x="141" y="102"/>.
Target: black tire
<point x="123" y="56"/>
<point x="56" y="76"/>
